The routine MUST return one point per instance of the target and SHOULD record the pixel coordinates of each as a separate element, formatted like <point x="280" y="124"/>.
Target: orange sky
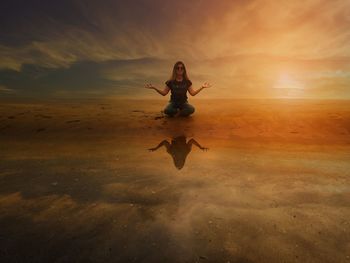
<point x="252" y="49"/>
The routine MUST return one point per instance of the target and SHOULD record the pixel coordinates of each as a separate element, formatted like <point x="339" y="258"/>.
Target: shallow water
<point x="112" y="199"/>
<point x="240" y="181"/>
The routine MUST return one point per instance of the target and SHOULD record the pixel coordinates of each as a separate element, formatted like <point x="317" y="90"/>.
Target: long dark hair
<point x="173" y="75"/>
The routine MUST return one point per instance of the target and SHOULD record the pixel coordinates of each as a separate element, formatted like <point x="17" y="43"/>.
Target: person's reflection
<point x="178" y="149"/>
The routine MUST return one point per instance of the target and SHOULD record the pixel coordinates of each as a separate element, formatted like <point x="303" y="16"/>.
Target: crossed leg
<point x="185" y="110"/>
<point x="170" y="109"/>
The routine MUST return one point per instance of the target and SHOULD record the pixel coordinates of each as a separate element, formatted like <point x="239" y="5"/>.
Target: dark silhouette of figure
<point x="179" y="149"/>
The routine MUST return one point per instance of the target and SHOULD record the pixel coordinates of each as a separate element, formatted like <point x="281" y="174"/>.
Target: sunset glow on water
<point x="113" y="152"/>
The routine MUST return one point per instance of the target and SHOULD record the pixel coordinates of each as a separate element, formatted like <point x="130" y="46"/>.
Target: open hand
<point x="152" y="149"/>
<point x="206" y="85"/>
<point x="204" y="149"/>
<point x="149" y="86"/>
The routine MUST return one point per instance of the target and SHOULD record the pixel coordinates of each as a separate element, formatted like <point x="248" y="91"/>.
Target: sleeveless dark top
<point x="178" y="90"/>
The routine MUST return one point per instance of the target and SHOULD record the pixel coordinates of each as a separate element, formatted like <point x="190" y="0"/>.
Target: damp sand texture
<point x="239" y="181"/>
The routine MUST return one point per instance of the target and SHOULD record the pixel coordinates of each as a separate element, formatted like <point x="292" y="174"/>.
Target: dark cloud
<point x="24" y="21"/>
<point x="83" y="78"/>
<point x="69" y="46"/>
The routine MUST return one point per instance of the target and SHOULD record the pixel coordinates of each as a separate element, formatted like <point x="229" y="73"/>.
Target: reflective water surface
<point x="89" y="185"/>
<point x="178" y="149"/>
<point x="172" y="200"/>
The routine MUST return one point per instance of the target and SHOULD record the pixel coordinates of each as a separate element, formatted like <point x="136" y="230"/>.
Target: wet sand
<point x="239" y="181"/>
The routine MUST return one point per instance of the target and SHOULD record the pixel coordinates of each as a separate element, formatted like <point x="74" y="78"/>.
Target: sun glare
<point x="285" y="81"/>
<point x="287" y="86"/>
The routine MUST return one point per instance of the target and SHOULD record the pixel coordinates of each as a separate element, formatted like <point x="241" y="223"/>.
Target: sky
<point x="111" y="49"/>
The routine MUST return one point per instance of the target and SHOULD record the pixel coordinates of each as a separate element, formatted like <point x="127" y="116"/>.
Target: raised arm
<point x="162" y="143"/>
<point x="193" y="141"/>
<point x="163" y="92"/>
<point x="195" y="92"/>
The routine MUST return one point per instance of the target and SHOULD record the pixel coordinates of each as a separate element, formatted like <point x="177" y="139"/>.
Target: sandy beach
<point x="294" y="121"/>
<point x="240" y="181"/>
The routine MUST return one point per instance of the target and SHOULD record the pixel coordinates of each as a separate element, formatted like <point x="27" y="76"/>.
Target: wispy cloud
<point x="5" y="89"/>
<point x="241" y="46"/>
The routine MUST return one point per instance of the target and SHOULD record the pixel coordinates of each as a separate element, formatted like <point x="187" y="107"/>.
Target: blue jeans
<point x="172" y="108"/>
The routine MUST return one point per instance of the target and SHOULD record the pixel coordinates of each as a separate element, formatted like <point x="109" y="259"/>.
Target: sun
<point x="288" y="87"/>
